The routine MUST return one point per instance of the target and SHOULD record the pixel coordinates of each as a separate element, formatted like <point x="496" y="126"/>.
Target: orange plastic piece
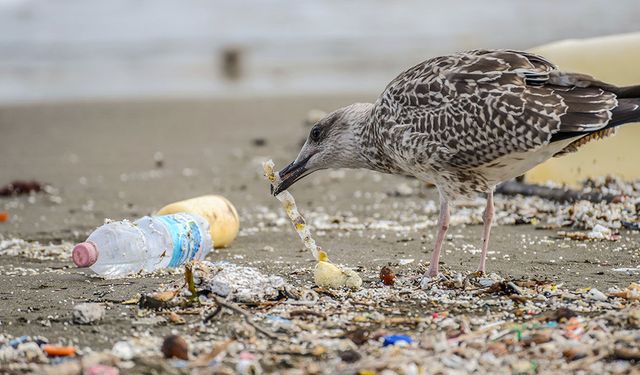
<point x="59" y="351"/>
<point x="4" y="216"/>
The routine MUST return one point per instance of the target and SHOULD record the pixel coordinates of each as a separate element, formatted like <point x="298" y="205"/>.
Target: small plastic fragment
<point x="59" y="351"/>
<point x="101" y="370"/>
<point x="328" y="275"/>
<point x="4" y="216"/>
<point x="396" y="339"/>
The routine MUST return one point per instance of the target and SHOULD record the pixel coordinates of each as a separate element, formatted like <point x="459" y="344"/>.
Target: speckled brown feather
<point x="450" y="118"/>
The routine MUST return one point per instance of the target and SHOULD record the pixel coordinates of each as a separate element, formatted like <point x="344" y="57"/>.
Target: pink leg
<point x="443" y="225"/>
<point x="487" y="218"/>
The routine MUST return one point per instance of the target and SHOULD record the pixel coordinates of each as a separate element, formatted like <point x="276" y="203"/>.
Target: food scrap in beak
<point x="278" y="189"/>
<point x="289" y="175"/>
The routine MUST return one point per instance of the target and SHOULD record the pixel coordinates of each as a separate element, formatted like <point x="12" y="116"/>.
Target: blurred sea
<point x="68" y="50"/>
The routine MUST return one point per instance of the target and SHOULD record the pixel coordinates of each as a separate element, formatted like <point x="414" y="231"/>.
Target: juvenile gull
<point x="466" y="122"/>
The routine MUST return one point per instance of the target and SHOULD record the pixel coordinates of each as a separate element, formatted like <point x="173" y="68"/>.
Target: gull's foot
<point x="433" y="271"/>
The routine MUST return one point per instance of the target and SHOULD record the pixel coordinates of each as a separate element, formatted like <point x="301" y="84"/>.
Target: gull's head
<point x="333" y="142"/>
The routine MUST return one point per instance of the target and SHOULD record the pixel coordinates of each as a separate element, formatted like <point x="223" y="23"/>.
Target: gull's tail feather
<point x="627" y="110"/>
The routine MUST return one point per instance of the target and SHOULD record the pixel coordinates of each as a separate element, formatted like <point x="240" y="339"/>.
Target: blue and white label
<point x="188" y="241"/>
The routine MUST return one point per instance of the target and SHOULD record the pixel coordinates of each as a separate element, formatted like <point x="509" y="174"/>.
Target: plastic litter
<point x="325" y="273"/>
<point x="102" y="370"/>
<point x="289" y="205"/>
<point x="328" y="275"/>
<point x="122" y="247"/>
<point x="222" y="216"/>
<point x="237" y="283"/>
<point x="59" y="351"/>
<point x="396" y="339"/>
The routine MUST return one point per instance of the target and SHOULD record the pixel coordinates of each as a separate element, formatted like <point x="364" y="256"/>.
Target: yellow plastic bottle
<point x="222" y="216"/>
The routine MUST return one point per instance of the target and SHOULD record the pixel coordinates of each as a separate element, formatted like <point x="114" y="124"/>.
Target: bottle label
<point x="187" y="239"/>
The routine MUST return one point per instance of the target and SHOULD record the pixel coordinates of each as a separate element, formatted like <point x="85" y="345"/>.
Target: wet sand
<point x="100" y="158"/>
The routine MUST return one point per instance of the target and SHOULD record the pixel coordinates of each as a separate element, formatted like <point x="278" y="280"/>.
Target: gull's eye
<point x="315" y="134"/>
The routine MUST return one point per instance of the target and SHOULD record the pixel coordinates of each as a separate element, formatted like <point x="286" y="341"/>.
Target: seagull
<point x="466" y="122"/>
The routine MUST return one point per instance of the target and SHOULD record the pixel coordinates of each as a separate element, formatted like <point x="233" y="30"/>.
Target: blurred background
<point x="126" y="105"/>
<point x="79" y="50"/>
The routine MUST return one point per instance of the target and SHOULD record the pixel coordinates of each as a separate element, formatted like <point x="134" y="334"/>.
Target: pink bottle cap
<point x="84" y="254"/>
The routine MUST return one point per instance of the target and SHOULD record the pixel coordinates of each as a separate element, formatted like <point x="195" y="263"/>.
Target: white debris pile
<point x="237" y="283"/>
<point x="35" y="250"/>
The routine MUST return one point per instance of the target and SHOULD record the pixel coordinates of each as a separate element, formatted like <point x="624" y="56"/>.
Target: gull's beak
<point x="290" y="174"/>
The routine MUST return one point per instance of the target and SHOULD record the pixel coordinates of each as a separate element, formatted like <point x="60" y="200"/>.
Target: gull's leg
<point x="487" y="218"/>
<point x="443" y="225"/>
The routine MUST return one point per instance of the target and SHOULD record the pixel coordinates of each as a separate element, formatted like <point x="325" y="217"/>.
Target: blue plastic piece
<point x="19" y="340"/>
<point x="394" y="339"/>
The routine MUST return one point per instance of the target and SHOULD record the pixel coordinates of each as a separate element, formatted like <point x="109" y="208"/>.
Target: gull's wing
<point x="472" y="108"/>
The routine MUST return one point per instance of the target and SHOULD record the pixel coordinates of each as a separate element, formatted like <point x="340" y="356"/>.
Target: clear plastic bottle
<point x="147" y="244"/>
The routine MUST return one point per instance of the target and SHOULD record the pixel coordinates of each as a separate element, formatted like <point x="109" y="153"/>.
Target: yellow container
<point x="614" y="59"/>
<point x="223" y="219"/>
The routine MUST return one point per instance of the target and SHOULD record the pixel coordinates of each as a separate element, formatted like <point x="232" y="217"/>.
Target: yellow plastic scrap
<point x="326" y="274"/>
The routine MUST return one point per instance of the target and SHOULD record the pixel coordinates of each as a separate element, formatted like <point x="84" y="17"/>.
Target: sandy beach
<point x="100" y="158"/>
<point x="122" y="160"/>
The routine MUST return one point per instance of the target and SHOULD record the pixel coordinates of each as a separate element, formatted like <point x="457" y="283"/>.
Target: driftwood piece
<point x="561" y="195"/>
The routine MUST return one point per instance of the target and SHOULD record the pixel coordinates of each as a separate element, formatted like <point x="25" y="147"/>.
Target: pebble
<point x="175" y="346"/>
<point x="87" y="313"/>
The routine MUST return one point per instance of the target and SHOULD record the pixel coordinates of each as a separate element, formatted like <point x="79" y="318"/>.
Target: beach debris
<point x="325" y="273"/>
<point x="289" y="205"/>
<point x="562" y="195"/>
<point x="328" y="275"/>
<point x="174" y="318"/>
<point x="101" y="370"/>
<point x="248" y="317"/>
<point x="59" y="350"/>
<point x="599" y="232"/>
<point x="175" y="346"/>
<point x="4" y="216"/>
<point x="259" y="142"/>
<point x="248" y="364"/>
<point x="387" y="276"/>
<point x="34" y="249"/>
<point x="630" y="225"/>
<point x="631" y="293"/>
<point x="158" y="300"/>
<point x="87" y="313"/>
<point x="471" y="329"/>
<point x="21" y="187"/>
<point x="237" y="283"/>
<point x="123" y="350"/>
<point x="595" y="294"/>
<point x="389" y="340"/>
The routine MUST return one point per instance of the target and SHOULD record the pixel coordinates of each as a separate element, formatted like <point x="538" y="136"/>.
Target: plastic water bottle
<point x="122" y="247"/>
